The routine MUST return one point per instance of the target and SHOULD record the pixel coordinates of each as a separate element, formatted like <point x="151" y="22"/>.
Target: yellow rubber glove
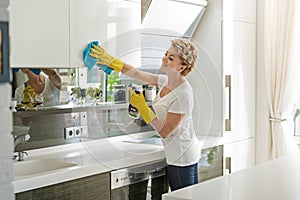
<point x="29" y="94"/>
<point x="138" y="101"/>
<point x="106" y="59"/>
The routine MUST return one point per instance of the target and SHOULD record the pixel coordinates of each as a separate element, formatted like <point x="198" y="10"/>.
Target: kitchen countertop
<point x="91" y="158"/>
<point x="275" y="180"/>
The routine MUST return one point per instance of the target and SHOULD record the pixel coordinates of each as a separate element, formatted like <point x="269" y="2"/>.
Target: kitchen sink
<point x="32" y="167"/>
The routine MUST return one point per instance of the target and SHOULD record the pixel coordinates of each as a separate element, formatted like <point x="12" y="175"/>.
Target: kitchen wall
<point x="99" y="124"/>
<point x="6" y="142"/>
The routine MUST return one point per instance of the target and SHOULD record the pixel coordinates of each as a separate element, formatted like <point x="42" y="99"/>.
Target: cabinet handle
<point x="228" y="164"/>
<point x="228" y="87"/>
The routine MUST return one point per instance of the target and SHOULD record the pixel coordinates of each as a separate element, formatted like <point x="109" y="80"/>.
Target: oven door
<point x="142" y="182"/>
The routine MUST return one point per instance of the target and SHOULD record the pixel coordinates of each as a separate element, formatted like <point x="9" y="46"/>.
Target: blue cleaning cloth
<point x="34" y="70"/>
<point x="105" y="68"/>
<point x="90" y="62"/>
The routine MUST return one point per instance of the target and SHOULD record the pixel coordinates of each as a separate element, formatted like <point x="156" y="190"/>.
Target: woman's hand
<point x="106" y="59"/>
<point x="53" y="76"/>
<point x="138" y="101"/>
<point x="37" y="82"/>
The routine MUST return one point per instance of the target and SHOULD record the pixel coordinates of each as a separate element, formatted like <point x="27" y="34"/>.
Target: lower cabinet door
<point x="92" y="187"/>
<point x="239" y="155"/>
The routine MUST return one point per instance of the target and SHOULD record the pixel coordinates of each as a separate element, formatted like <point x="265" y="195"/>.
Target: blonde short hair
<point x="188" y="52"/>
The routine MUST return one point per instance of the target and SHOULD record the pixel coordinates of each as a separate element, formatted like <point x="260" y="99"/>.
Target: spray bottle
<point x="133" y="111"/>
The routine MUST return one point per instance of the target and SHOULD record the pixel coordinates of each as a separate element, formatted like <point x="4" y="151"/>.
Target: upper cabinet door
<point x="39" y="33"/>
<point x="54" y="33"/>
<point x="113" y="23"/>
<point x="87" y="23"/>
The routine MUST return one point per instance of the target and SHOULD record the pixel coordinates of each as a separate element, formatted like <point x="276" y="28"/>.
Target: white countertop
<point x="274" y="180"/>
<point x="90" y="158"/>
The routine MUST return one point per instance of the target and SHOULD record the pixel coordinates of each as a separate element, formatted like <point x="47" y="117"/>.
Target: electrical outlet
<point x="81" y="131"/>
<point x="76" y="132"/>
<point x="69" y="133"/>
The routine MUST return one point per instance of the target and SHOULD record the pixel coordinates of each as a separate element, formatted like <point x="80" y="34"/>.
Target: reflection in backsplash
<point x="82" y="91"/>
<point x="78" y="85"/>
<point x="48" y="128"/>
<point x="49" y="84"/>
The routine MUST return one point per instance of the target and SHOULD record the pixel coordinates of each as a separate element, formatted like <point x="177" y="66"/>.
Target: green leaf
<point x="297" y="113"/>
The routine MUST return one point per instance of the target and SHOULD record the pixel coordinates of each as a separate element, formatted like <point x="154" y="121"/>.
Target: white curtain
<point x="281" y="70"/>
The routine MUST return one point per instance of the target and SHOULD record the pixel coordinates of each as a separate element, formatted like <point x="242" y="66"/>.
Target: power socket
<point x="76" y="132"/>
<point x="69" y="133"/>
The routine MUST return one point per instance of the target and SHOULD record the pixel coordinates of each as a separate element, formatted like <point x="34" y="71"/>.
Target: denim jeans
<point x="180" y="177"/>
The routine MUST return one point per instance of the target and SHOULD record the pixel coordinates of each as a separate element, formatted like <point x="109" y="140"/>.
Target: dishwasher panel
<point x="141" y="182"/>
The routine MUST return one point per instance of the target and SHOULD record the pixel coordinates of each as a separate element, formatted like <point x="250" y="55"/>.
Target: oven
<point x="146" y="181"/>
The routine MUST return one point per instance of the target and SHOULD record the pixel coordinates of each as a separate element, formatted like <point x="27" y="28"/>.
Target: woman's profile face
<point x="171" y="61"/>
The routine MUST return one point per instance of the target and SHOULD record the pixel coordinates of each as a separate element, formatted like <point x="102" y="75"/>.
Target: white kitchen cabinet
<point x="39" y="33"/>
<point x="54" y="33"/>
<point x="240" y="64"/>
<point x="112" y="23"/>
<point x="239" y="155"/>
<point x="87" y="23"/>
<point x="239" y="61"/>
<point x="240" y="10"/>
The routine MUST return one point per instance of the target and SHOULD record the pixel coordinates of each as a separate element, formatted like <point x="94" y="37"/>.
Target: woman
<point x="173" y="107"/>
<point x="45" y="86"/>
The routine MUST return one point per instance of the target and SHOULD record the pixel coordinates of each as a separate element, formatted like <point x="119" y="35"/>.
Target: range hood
<point x="172" y="17"/>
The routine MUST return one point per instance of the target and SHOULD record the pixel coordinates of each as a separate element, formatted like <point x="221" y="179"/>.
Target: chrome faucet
<point x="21" y="155"/>
<point x="21" y="139"/>
<point x="21" y="135"/>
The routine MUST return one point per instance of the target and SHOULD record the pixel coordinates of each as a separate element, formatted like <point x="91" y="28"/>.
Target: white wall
<point x="6" y="143"/>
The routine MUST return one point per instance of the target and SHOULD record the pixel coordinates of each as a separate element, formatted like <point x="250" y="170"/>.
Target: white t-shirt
<point x="182" y="148"/>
